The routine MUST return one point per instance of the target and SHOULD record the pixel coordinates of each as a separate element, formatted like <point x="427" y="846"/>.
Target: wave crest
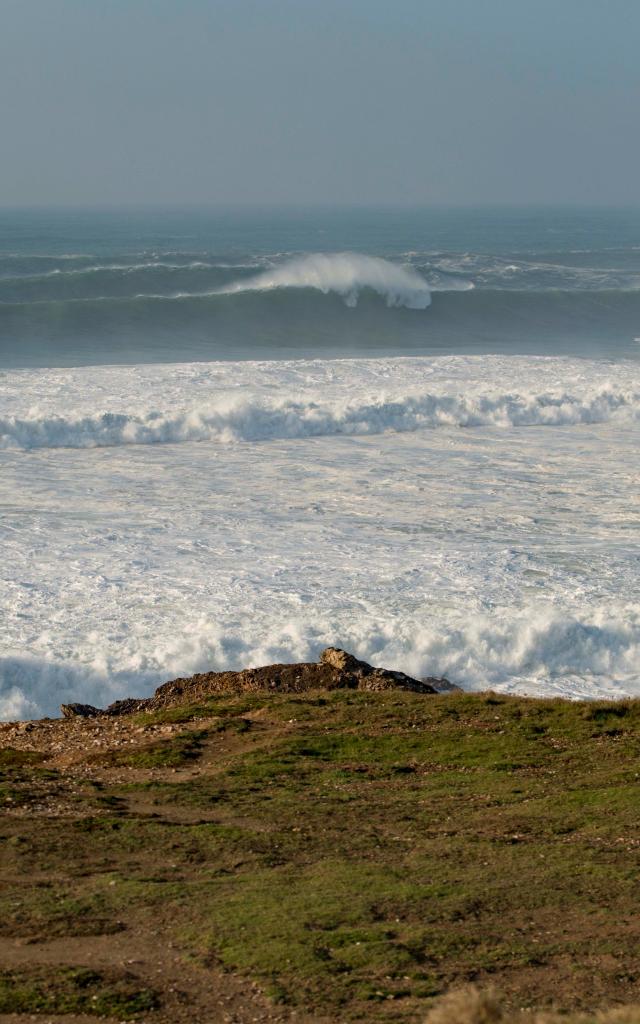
<point x="254" y="419"/>
<point x="345" y="274"/>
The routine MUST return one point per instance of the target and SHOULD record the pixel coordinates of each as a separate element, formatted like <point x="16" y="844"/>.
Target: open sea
<point x="231" y="439"/>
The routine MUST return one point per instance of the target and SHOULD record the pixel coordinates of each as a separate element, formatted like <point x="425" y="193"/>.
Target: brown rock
<point x="336" y="669"/>
<point x="370" y="678"/>
<point x="80" y="710"/>
<point x="342" y="661"/>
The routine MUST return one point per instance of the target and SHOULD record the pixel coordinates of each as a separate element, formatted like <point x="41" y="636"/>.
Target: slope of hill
<point x="325" y="856"/>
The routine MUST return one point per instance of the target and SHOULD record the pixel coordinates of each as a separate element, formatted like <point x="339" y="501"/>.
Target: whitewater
<point x="450" y="528"/>
<point x="346" y="274"/>
<point x="232" y="440"/>
<point x="296" y="399"/>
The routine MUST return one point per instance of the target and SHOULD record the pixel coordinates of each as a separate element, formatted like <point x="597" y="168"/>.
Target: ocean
<point x="228" y="439"/>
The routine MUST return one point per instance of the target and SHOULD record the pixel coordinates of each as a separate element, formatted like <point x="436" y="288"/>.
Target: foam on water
<point x="498" y="557"/>
<point x="475" y="517"/>
<point x="539" y="650"/>
<point x="231" y="418"/>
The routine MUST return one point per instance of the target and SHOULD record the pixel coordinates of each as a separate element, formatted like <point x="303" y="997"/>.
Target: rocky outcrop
<point x="80" y="711"/>
<point x="362" y="676"/>
<point x="335" y="670"/>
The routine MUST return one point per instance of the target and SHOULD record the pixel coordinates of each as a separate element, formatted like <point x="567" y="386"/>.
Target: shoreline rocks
<point x="336" y="669"/>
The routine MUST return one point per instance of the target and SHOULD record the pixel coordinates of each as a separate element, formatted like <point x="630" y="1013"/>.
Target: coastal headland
<point x="321" y="843"/>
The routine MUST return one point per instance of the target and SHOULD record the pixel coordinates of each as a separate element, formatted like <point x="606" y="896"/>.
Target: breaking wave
<point x="254" y="419"/>
<point x="346" y="274"/>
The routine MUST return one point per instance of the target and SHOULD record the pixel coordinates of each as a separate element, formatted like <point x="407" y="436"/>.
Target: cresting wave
<point x="255" y="419"/>
<point x="346" y="274"/>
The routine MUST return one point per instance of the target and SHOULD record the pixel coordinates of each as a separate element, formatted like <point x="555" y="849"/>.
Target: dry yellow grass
<point x="470" y="1005"/>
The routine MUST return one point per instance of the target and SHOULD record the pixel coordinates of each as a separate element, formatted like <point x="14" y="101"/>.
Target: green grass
<point x="429" y="825"/>
<point x="10" y="758"/>
<point x="56" y="910"/>
<point x="358" y="854"/>
<point x="218" y="706"/>
<point x="22" y="777"/>
<point x="74" y="990"/>
<point x="170" y="753"/>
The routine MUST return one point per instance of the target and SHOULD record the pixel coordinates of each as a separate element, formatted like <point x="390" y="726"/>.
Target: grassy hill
<point x="324" y="856"/>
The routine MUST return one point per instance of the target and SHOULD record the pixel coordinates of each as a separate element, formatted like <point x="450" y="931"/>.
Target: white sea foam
<point x="496" y="557"/>
<point x="532" y="650"/>
<point x="346" y="274"/>
<point x="492" y="272"/>
<point x="230" y="418"/>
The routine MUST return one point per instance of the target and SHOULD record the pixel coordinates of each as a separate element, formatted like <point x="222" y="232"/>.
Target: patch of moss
<point x="221" y="706"/>
<point x="170" y="753"/>
<point x="75" y="990"/>
<point x="54" y="911"/>
<point x="12" y="758"/>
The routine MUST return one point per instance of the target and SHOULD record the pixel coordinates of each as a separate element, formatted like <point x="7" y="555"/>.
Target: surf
<point x="346" y="274"/>
<point x="257" y="419"/>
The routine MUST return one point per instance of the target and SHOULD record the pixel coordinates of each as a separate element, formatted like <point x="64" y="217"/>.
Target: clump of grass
<point x="12" y="796"/>
<point x="11" y="758"/>
<point x="467" y="1006"/>
<point x="55" y="912"/>
<point x="75" y="990"/>
<point x="22" y="777"/>
<point x="217" y="706"/>
<point x="470" y="1005"/>
<point x="176" y="714"/>
<point x="170" y="753"/>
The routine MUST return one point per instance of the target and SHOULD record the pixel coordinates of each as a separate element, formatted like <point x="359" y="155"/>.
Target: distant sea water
<point x="230" y="439"/>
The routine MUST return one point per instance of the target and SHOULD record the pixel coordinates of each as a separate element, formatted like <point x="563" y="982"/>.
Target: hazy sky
<point x="339" y="101"/>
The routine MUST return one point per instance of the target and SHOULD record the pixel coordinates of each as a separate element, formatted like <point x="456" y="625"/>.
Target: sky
<point x="270" y="102"/>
